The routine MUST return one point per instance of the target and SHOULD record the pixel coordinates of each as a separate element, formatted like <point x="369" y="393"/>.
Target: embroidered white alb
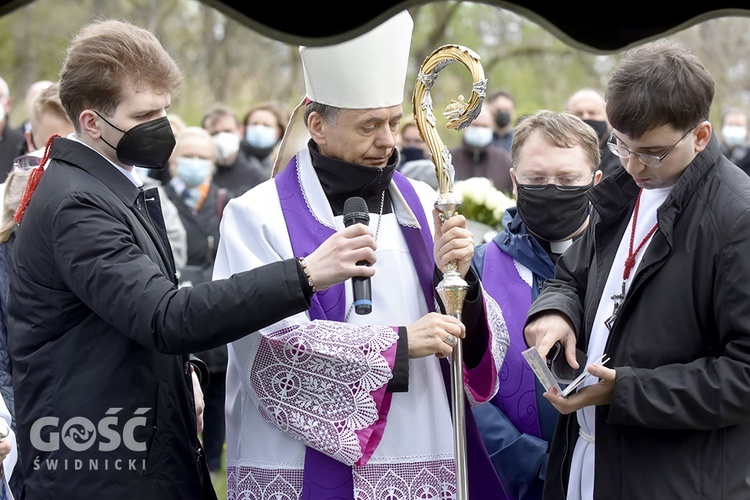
<point x="325" y="398"/>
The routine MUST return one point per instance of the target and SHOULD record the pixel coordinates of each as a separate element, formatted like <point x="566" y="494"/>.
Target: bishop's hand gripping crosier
<point x="453" y="288"/>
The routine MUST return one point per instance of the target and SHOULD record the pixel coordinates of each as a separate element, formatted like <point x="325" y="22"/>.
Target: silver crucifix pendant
<point x="618" y="300"/>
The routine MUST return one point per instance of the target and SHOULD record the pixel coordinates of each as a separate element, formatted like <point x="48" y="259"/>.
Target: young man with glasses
<point x="555" y="162"/>
<point x="658" y="282"/>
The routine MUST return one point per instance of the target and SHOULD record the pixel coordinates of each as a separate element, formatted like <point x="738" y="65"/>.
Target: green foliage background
<point x="224" y="60"/>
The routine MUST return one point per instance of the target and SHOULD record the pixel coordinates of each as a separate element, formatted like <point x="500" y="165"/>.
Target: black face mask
<point x="502" y="119"/>
<point x="410" y="153"/>
<point x="599" y="126"/>
<point x="147" y="145"/>
<point x="551" y="214"/>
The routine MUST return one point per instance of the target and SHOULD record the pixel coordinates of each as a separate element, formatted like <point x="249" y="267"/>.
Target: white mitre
<point x="366" y="72"/>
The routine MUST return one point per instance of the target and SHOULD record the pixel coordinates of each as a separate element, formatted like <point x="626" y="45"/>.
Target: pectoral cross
<point x="618" y="298"/>
<point x="629" y="261"/>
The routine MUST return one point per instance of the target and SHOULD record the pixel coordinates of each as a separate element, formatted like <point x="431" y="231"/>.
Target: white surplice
<point x="581" y="484"/>
<point x="287" y="384"/>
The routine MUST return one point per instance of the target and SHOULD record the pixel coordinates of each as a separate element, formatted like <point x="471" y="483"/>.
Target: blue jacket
<point x="520" y="459"/>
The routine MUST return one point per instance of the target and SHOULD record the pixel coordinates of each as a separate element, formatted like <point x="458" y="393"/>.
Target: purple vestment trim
<point x="516" y="396"/>
<point x="325" y="477"/>
<point x="482" y="478"/>
<point x="419" y="242"/>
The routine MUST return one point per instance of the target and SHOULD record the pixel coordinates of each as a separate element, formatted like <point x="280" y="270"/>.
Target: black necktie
<point x="149" y="204"/>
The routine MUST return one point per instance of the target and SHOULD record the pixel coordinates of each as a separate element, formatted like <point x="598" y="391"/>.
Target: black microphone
<point x="356" y="212"/>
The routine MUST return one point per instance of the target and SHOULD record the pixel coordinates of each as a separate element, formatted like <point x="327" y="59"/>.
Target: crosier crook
<point x="453" y="288"/>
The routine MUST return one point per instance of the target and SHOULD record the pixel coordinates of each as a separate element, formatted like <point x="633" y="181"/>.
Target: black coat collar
<point x="81" y="156"/>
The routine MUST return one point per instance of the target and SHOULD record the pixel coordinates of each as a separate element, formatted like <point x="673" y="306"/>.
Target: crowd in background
<point x="232" y="151"/>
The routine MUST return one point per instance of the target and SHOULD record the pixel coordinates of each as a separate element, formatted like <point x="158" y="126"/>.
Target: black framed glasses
<point x="647" y="159"/>
<point x="563" y="183"/>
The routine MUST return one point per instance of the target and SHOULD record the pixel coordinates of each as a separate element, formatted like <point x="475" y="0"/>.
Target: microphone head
<point x="356" y="211"/>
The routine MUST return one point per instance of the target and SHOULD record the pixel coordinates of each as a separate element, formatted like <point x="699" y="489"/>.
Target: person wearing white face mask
<point x="478" y="157"/>
<point x="734" y="143"/>
<point x="234" y="169"/>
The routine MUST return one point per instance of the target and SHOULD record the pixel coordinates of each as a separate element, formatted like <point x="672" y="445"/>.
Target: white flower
<point x="481" y="201"/>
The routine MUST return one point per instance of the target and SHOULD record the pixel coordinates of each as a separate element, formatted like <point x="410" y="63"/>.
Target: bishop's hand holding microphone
<point x="356" y="212"/>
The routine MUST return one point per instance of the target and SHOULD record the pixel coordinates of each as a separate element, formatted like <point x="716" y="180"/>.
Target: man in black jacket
<point x="659" y="283"/>
<point x="99" y="333"/>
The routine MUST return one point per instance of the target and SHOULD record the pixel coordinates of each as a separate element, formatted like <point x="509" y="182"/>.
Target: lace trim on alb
<point x="315" y="381"/>
<point x="401" y="481"/>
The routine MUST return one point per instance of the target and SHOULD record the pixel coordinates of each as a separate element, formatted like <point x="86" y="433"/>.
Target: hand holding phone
<point x="547" y="379"/>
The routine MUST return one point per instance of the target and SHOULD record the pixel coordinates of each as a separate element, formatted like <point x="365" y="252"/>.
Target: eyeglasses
<point x="26" y="162"/>
<point x="563" y="183"/>
<point x="645" y="158"/>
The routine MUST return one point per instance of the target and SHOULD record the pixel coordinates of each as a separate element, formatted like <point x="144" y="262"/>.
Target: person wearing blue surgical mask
<point x="261" y="136"/>
<point x="263" y="128"/>
<point x="192" y="165"/>
<point x="199" y="200"/>
<point x="477" y="156"/>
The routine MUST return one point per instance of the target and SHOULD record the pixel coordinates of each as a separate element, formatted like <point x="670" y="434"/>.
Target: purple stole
<point x="323" y="476"/>
<point x="516" y="396"/>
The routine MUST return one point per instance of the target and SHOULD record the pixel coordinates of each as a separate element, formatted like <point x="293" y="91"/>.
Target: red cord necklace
<point x="630" y="259"/>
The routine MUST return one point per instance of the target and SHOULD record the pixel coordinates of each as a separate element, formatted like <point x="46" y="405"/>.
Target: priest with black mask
<point x="555" y="161"/>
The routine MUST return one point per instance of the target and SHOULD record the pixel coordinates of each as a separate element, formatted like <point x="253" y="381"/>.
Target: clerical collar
<point x="559" y="247"/>
<point x="341" y="180"/>
<point x="555" y="249"/>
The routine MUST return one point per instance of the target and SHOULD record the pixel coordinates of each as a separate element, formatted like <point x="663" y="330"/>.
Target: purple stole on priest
<point x="516" y="396"/>
<point x="325" y="477"/>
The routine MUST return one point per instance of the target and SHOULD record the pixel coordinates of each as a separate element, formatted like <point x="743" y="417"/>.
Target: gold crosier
<point x="452" y="288"/>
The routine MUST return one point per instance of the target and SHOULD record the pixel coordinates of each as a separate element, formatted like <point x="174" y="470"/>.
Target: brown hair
<point x="107" y="55"/>
<point x="660" y="83"/>
<point x="564" y="130"/>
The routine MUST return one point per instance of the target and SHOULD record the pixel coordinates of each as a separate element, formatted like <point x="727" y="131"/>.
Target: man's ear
<point x="89" y="123"/>
<point x="515" y="182"/>
<point x="702" y="135"/>
<point x="598" y="176"/>
<point x="316" y="127"/>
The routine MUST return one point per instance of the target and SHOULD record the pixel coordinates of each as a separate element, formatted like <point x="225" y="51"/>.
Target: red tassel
<point x="31" y="184"/>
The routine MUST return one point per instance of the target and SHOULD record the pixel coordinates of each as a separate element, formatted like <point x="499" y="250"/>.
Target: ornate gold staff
<point x="452" y="289"/>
